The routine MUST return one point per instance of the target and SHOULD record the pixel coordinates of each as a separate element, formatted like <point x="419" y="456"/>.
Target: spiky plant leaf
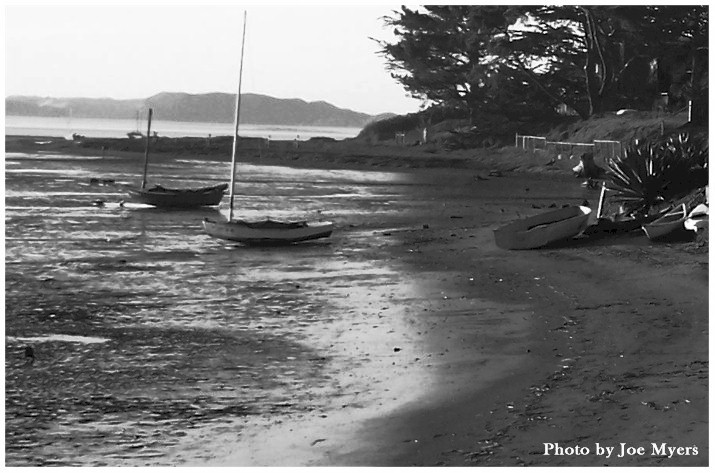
<point x="650" y="173"/>
<point x="638" y="178"/>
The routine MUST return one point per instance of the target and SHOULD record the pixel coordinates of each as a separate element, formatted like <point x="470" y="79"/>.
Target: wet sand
<point x="452" y="351"/>
<point x="597" y="342"/>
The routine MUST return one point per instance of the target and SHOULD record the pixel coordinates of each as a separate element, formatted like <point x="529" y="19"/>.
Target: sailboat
<point x="160" y="196"/>
<point x="260" y="232"/>
<point x="136" y="133"/>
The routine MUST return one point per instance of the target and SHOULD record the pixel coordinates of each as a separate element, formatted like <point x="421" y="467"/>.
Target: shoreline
<point x="605" y="339"/>
<point x="624" y="367"/>
<point x="313" y="154"/>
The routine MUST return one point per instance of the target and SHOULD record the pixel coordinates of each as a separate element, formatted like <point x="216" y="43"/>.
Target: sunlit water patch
<point x="57" y="338"/>
<point x="48" y="155"/>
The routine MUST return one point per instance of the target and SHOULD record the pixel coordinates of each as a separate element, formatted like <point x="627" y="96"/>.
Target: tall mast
<point x="146" y="150"/>
<point x="238" y="113"/>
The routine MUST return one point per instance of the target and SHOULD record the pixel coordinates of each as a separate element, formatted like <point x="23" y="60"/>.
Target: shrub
<point x="649" y="174"/>
<point x="693" y="155"/>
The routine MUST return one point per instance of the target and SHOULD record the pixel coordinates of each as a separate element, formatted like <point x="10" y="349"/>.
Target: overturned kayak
<point x="542" y="229"/>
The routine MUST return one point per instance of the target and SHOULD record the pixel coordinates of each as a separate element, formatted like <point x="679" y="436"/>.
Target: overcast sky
<point x="312" y="52"/>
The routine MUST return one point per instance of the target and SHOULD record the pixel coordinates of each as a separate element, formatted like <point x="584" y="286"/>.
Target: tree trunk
<point x="595" y="70"/>
<point x="699" y="88"/>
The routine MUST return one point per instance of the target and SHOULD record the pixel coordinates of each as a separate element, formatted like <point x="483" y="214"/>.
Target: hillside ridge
<point x="213" y="107"/>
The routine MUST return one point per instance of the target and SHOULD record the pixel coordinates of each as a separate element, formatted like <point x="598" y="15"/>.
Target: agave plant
<point x="638" y="178"/>
<point x="693" y="152"/>
<point x="651" y="173"/>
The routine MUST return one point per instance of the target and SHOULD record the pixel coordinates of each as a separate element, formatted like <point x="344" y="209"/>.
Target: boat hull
<point x="543" y="229"/>
<point x="179" y="198"/>
<point x="267" y="232"/>
<point x="666" y="225"/>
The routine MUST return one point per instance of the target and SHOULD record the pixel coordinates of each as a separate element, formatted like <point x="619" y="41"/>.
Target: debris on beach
<point x="29" y="355"/>
<point x="98" y="181"/>
<point x="588" y="168"/>
<point x="697" y="218"/>
<point x="486" y="448"/>
<point x="590" y="183"/>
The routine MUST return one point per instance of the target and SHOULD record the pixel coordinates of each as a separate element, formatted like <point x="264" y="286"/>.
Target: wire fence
<point x="602" y="150"/>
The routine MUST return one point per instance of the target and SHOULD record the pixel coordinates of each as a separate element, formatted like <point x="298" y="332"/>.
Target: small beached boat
<point x="619" y="223"/>
<point x="666" y="224"/>
<point x="616" y="225"/>
<point x="261" y="232"/>
<point x="543" y="229"/>
<point x="268" y="231"/>
<point x="160" y="196"/>
<point x="165" y="197"/>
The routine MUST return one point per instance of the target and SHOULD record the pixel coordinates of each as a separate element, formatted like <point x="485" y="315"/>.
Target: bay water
<point x="118" y="128"/>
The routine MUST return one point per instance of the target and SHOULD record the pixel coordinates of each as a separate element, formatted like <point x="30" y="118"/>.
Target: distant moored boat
<point x="160" y="196"/>
<point x="165" y="197"/>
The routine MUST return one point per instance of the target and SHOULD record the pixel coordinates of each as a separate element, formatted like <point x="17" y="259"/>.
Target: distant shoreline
<point x="316" y="153"/>
<point x="16" y="125"/>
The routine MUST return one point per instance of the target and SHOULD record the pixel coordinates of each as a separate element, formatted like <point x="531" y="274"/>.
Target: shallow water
<point x="146" y="331"/>
<point x="118" y="128"/>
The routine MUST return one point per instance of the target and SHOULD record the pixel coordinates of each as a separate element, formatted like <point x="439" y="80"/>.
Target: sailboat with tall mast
<point x="137" y="131"/>
<point x="165" y="197"/>
<point x="267" y="231"/>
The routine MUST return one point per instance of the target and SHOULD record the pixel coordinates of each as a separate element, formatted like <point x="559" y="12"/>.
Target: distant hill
<point x="213" y="107"/>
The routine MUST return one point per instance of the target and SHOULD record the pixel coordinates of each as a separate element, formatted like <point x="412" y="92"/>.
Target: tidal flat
<point x="405" y="339"/>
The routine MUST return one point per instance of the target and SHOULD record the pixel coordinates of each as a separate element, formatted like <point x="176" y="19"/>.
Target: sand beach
<point x="407" y="339"/>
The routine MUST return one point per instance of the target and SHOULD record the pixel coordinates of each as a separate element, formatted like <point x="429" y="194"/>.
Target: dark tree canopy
<point x="522" y="61"/>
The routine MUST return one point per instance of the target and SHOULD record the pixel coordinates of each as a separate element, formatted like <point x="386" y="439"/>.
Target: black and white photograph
<point x="356" y="235"/>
